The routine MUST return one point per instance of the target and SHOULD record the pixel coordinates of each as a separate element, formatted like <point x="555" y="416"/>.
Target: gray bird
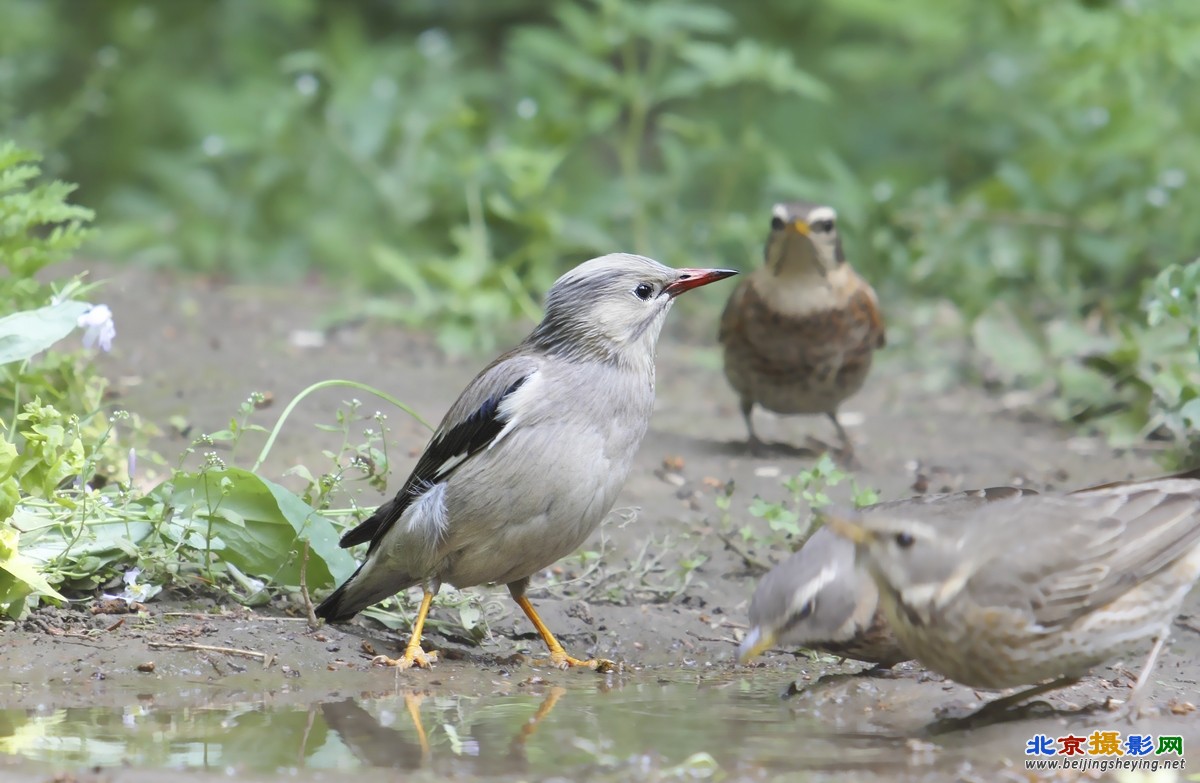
<point x="531" y="456"/>
<point x="799" y="332"/>
<point x="819" y="599"/>
<point x="1035" y="590"/>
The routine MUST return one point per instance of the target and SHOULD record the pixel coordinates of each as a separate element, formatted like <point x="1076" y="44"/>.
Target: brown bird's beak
<point x="687" y="279"/>
<point x="847" y="525"/>
<point x="799" y="226"/>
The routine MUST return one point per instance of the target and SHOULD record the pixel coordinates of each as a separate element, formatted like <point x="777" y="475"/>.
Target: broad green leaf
<point x="29" y="332"/>
<point x="110" y="541"/>
<point x="274" y="523"/>
<point x="19" y="577"/>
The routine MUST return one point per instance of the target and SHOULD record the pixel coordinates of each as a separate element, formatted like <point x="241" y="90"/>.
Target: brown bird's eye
<point x="822" y="226"/>
<point x="904" y="540"/>
<point x="777" y="223"/>
<point x="643" y="291"/>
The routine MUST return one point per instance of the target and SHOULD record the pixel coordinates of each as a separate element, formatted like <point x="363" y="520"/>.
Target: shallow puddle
<point x="660" y="729"/>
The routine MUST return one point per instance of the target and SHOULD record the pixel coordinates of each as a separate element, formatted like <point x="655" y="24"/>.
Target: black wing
<point x="449" y="449"/>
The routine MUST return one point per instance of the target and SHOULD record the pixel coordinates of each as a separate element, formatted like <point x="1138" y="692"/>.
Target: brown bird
<point x="819" y="599"/>
<point x="800" y="331"/>
<point x="1035" y="590"/>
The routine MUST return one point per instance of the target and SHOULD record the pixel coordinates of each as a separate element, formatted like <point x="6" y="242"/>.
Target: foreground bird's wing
<point x="471" y="425"/>
<point x="1083" y="551"/>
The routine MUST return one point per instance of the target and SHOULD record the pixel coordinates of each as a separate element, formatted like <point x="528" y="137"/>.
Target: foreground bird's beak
<point x="799" y="226"/>
<point x="756" y="642"/>
<point x="845" y="525"/>
<point x="687" y="279"/>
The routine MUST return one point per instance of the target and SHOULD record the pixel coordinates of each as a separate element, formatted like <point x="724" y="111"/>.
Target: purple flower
<point x="98" y="321"/>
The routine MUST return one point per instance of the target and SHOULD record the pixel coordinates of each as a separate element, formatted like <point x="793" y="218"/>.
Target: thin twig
<point x="209" y="648"/>
<point x="751" y="560"/>
<point x="720" y="639"/>
<point x="308" y="726"/>
<point x="248" y="616"/>
<point x="313" y="622"/>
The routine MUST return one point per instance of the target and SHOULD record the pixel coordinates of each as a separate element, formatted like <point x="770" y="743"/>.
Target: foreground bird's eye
<point x="777" y="223"/>
<point x="643" y="291"/>
<point x="904" y="540"/>
<point x="822" y="226"/>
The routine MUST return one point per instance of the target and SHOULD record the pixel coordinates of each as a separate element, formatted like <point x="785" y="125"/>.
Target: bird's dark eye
<point x="796" y="618"/>
<point x="777" y="223"/>
<point x="904" y="540"/>
<point x="643" y="291"/>
<point x="822" y="226"/>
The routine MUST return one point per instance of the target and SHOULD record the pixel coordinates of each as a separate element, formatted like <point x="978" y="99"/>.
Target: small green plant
<point x="1131" y="381"/>
<point x="659" y="571"/>
<point x="1156" y="368"/>
<point x="788" y="522"/>
<point x="209" y="527"/>
<point x="38" y="228"/>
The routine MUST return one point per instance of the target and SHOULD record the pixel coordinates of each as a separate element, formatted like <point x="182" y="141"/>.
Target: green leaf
<point x="19" y="578"/>
<point x="274" y="523"/>
<point x="109" y="541"/>
<point x="28" y="333"/>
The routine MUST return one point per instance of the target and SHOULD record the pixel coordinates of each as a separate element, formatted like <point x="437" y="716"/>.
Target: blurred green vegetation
<point x="1031" y="161"/>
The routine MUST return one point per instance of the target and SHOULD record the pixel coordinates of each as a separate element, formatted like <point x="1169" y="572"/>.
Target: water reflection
<point x="578" y="727"/>
<point x="377" y="745"/>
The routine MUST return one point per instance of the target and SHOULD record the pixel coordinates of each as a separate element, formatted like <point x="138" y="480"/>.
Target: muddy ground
<point x="197" y="349"/>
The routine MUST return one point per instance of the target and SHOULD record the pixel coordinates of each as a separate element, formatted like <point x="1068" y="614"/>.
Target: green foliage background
<point x="456" y="157"/>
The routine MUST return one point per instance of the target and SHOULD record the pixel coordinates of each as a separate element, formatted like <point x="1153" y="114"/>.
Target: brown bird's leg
<point x="1000" y="705"/>
<point x="1127" y="709"/>
<point x="846" y="452"/>
<point x="413" y="654"/>
<point x="558" y="656"/>
<point x="754" y="445"/>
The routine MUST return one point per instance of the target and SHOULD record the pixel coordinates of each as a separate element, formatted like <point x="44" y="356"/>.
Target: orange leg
<point x="531" y="725"/>
<point x="413" y="702"/>
<point x="558" y="656"/>
<point x="413" y="654"/>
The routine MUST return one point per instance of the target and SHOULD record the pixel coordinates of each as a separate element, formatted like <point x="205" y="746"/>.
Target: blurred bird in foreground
<point x="819" y="599"/>
<point x="799" y="332"/>
<point x="531" y="456"/>
<point x="1034" y="590"/>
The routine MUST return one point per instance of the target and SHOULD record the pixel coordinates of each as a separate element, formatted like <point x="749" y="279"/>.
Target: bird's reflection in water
<point x="378" y="745"/>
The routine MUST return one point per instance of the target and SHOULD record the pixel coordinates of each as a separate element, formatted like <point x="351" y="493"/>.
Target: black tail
<point x="337" y="608"/>
<point x="356" y="593"/>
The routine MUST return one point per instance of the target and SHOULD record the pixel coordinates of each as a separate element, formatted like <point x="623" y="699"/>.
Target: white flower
<point x="98" y="321"/>
<point x="134" y="591"/>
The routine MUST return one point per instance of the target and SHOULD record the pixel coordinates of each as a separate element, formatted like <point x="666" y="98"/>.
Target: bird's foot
<point x="843" y="455"/>
<point x="756" y="447"/>
<point x="413" y="656"/>
<point x="560" y="660"/>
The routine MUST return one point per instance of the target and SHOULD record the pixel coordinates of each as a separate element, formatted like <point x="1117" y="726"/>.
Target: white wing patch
<point x="427" y="517"/>
<point x="809" y="590"/>
<point x="515" y="404"/>
<point x="450" y="464"/>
